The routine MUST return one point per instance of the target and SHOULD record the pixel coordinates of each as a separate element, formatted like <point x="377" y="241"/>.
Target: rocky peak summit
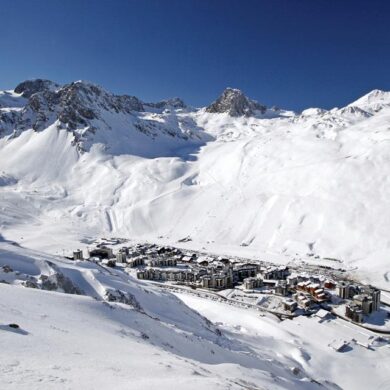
<point x="29" y="87"/>
<point x="235" y="103"/>
<point x="92" y="114"/>
<point x="75" y="105"/>
<point x="174" y="103"/>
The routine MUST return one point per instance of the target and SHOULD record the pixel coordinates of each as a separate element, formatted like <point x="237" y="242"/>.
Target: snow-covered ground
<point x="73" y="334"/>
<point x="274" y="185"/>
<point x="87" y="340"/>
<point x="77" y="163"/>
<point x="305" y="343"/>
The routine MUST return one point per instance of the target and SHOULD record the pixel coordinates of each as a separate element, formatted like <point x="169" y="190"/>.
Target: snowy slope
<point x="144" y="338"/>
<point x="85" y="163"/>
<point x="85" y="326"/>
<point x="304" y="343"/>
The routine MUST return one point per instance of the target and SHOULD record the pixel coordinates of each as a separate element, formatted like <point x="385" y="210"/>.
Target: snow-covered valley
<point x="233" y="178"/>
<point x="268" y="183"/>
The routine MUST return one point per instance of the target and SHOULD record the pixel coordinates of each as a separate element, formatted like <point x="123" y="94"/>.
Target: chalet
<point x="303" y="300"/>
<point x="186" y="259"/>
<point x="203" y="261"/>
<point x="329" y="284"/>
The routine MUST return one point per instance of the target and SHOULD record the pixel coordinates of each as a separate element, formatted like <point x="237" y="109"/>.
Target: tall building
<point x="343" y="290"/>
<point x="376" y="298"/>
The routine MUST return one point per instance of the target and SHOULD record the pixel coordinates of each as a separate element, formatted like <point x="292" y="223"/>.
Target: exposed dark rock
<point x="7" y="268"/>
<point x="29" y="87"/>
<point x="74" y="105"/>
<point x="169" y="103"/>
<point x="15" y="326"/>
<point x="83" y="109"/>
<point x="58" y="282"/>
<point x="122" y="297"/>
<point x="235" y="103"/>
<point x="30" y="283"/>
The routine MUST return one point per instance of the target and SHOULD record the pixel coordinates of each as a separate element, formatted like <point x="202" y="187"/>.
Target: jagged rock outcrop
<point x="29" y="87"/>
<point x="75" y="105"/>
<point x="175" y="103"/>
<point x="354" y="110"/>
<point x="235" y="103"/>
<point x="122" y="297"/>
<point x="58" y="282"/>
<point x="94" y="116"/>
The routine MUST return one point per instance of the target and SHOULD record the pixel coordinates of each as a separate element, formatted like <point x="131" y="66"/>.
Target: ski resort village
<point x="286" y="291"/>
<point x="194" y="195"/>
<point x="242" y="262"/>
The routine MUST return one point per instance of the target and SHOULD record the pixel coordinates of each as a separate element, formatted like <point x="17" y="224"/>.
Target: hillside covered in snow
<point x="77" y="162"/>
<point x="76" y="324"/>
<point x="85" y="326"/>
<point x="236" y="177"/>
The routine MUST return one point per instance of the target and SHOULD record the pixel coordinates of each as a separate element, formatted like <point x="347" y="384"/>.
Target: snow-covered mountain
<point x="235" y="103"/>
<point x="77" y="161"/>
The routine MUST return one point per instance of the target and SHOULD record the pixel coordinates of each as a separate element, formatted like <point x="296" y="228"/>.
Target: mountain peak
<point x="28" y="87"/>
<point x="235" y="103"/>
<point x="373" y="100"/>
<point x="168" y="103"/>
<point x="75" y="105"/>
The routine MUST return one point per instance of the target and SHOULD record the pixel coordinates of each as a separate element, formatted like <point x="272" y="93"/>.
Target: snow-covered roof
<point x="322" y="313"/>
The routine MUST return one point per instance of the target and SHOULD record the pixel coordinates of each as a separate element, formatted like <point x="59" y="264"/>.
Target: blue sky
<point x="290" y="53"/>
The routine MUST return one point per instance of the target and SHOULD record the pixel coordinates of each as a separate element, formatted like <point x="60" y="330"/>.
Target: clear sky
<point x="290" y="53"/>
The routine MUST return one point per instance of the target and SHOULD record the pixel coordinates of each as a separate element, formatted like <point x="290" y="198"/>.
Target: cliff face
<point x="235" y="103"/>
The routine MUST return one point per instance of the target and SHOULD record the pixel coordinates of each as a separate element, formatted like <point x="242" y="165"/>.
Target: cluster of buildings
<point x="164" y="263"/>
<point x="270" y="277"/>
<point x="361" y="300"/>
<point x="198" y="272"/>
<point x="316" y="291"/>
<point x="303" y="290"/>
<point x="300" y="290"/>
